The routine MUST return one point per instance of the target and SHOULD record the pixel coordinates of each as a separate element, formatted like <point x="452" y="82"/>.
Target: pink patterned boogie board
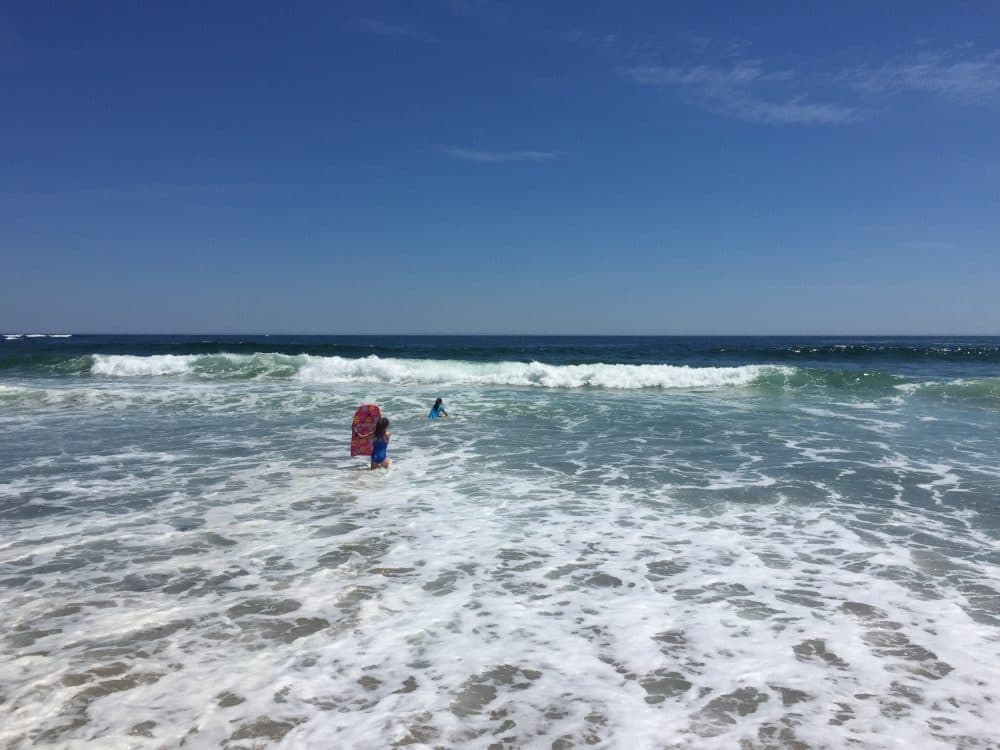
<point x="363" y="428"/>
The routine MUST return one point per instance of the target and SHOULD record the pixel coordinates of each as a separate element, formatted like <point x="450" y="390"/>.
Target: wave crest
<point x="374" y="369"/>
<point x="127" y="365"/>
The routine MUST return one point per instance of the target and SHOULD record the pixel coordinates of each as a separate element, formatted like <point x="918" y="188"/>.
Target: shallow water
<point x="772" y="558"/>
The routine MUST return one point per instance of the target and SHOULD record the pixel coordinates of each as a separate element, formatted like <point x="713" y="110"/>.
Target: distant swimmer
<point x="437" y="410"/>
<point x="380" y="444"/>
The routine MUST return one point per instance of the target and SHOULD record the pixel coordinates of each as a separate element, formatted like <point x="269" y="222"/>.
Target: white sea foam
<point x="15" y="336"/>
<point x="126" y="365"/>
<point x="375" y="369"/>
<point x="692" y="569"/>
<point x="425" y="611"/>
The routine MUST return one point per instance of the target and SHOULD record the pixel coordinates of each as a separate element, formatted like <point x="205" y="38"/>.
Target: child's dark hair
<point x="381" y="427"/>
<point x="437" y="403"/>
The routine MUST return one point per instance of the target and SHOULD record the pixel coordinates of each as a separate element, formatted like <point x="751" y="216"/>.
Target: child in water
<point x="437" y="410"/>
<point x="380" y="444"/>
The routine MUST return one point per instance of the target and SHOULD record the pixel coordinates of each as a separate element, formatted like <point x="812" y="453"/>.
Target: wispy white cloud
<point x="383" y="27"/>
<point x="957" y="75"/>
<point x="485" y="11"/>
<point x="606" y="41"/>
<point x="469" y="154"/>
<point x="735" y="90"/>
<point x="791" y="112"/>
<point x="705" y="75"/>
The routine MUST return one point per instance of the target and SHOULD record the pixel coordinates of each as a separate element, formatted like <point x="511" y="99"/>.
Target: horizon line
<point x="523" y="335"/>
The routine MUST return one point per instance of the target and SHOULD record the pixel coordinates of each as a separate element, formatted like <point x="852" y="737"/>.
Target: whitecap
<point x="127" y="365"/>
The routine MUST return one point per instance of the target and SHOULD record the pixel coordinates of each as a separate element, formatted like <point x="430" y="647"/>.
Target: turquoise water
<point x="611" y="542"/>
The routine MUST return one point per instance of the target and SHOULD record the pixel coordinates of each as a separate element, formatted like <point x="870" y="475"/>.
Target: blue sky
<point x="470" y="166"/>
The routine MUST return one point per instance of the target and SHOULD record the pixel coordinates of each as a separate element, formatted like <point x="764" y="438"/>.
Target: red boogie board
<point x="363" y="428"/>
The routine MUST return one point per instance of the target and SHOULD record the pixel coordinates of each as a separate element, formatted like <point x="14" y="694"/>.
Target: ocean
<point x="611" y="542"/>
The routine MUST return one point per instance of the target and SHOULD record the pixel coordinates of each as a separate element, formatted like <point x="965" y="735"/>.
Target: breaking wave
<point x="313" y="369"/>
<point x="374" y="369"/>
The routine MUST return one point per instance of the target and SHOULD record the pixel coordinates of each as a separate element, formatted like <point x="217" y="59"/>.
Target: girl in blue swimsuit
<point x="437" y="410"/>
<point x="380" y="444"/>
